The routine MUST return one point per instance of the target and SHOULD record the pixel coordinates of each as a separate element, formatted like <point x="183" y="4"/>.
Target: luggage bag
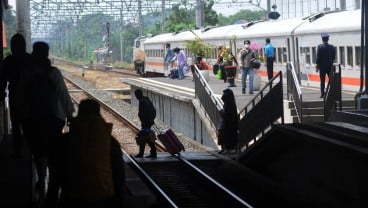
<point x="171" y="141"/>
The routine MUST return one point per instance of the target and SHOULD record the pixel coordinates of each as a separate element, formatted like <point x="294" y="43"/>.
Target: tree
<point x="246" y="14"/>
<point x="211" y="16"/>
<point x="180" y="19"/>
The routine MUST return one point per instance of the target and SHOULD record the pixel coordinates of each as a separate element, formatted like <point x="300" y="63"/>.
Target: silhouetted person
<point x="95" y="175"/>
<point x="12" y="67"/>
<point x="325" y="56"/>
<point x="147" y="115"/>
<point x="228" y="131"/>
<point x="47" y="104"/>
<point x="269" y="57"/>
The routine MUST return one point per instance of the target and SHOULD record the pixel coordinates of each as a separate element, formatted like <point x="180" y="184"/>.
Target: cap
<point x="324" y="35"/>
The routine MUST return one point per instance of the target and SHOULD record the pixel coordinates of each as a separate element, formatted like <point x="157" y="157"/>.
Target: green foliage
<point x="248" y="15"/>
<point x="180" y="19"/>
<point x="198" y="48"/>
<point x="211" y="17"/>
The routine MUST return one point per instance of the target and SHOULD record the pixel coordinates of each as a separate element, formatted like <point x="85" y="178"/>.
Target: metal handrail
<point x="333" y="101"/>
<point x="210" y="102"/>
<point x="261" y="112"/>
<point x="294" y="90"/>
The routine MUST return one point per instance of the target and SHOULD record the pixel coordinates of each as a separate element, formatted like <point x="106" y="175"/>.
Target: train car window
<point x="349" y="56"/>
<point x="137" y="44"/>
<point x="279" y="55"/>
<point x="357" y="55"/>
<point x="306" y="52"/>
<point x="314" y="55"/>
<point x="342" y="55"/>
<point x="307" y="56"/>
<point x="284" y="55"/>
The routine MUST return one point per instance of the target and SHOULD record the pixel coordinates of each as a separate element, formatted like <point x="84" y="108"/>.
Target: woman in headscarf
<point x="228" y="131"/>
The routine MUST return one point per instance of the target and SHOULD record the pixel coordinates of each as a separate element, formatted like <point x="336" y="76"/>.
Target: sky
<point x="12" y="3"/>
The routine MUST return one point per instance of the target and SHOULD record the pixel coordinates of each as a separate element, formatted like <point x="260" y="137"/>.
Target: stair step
<point x="309" y="119"/>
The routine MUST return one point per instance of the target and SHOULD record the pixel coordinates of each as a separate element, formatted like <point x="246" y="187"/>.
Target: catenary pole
<point x="24" y="21"/>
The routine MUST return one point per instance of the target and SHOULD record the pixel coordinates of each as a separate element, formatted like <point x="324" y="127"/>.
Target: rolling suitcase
<point x="170" y="141"/>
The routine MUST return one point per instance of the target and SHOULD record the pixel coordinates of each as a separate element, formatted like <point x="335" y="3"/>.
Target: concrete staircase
<point x="313" y="111"/>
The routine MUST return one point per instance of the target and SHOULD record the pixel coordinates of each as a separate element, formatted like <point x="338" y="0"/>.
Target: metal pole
<point x="268" y="8"/>
<point x="163" y="16"/>
<point x="141" y="26"/>
<point x="342" y="4"/>
<point x="24" y="21"/>
<point x="121" y="36"/>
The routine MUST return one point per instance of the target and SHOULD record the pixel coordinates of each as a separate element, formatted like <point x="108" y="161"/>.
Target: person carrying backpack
<point x="147" y="115"/>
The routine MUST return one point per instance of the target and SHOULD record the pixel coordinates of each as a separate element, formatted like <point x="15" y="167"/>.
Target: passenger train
<point x="295" y="40"/>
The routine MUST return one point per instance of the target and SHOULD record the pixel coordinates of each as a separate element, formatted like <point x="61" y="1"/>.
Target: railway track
<point x="123" y="130"/>
<point x="182" y="184"/>
<point x="176" y="182"/>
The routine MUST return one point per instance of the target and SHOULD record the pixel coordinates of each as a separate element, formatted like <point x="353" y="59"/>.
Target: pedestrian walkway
<point x="185" y="88"/>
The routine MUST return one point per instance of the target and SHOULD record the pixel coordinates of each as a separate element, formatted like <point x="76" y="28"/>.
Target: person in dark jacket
<point x="228" y="130"/>
<point x="147" y="115"/>
<point x="325" y="56"/>
<point x="12" y="68"/>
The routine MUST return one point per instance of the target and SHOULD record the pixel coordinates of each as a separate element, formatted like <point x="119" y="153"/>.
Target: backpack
<point x="41" y="94"/>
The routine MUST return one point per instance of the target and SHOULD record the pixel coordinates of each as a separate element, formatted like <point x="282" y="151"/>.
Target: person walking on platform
<point x="228" y="59"/>
<point x="269" y="57"/>
<point x="247" y="55"/>
<point x="325" y="57"/>
<point x="147" y="115"/>
<point x="181" y="60"/>
<point x="228" y="129"/>
<point x="47" y="104"/>
<point x="168" y="59"/>
<point x="12" y="68"/>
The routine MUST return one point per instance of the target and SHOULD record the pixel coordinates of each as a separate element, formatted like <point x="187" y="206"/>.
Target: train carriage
<point x="154" y="53"/>
<point x="281" y="34"/>
<point x="345" y="32"/>
<point x="295" y="40"/>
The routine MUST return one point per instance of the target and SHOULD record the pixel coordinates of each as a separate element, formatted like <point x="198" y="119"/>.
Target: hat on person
<point x="325" y="35"/>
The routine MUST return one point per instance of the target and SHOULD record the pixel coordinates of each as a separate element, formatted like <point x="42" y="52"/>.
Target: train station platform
<point x="185" y="88"/>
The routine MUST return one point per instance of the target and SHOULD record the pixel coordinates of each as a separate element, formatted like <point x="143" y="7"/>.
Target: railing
<point x="294" y="92"/>
<point x="211" y="104"/>
<point x="332" y="100"/>
<point x="261" y="112"/>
